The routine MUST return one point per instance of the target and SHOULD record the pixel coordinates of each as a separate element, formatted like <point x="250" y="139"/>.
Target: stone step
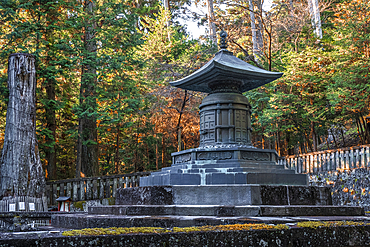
<point x="79" y="221"/>
<point x="222" y="211"/>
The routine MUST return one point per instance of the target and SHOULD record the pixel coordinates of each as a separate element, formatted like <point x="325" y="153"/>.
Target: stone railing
<point x="80" y="189"/>
<point x="329" y="160"/>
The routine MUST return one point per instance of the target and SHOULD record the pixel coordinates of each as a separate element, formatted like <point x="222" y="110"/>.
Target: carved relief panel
<point x="214" y="155"/>
<point x="207" y="127"/>
<point x="255" y="156"/>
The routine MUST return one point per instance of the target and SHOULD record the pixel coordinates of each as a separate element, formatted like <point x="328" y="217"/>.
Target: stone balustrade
<point x="91" y="188"/>
<point x="329" y="160"/>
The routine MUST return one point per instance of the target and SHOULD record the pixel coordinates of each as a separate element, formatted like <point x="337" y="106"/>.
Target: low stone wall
<point x="348" y="187"/>
<point x="25" y="221"/>
<point x="332" y="236"/>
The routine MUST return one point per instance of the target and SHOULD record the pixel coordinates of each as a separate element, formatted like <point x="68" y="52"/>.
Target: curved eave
<point x="225" y="66"/>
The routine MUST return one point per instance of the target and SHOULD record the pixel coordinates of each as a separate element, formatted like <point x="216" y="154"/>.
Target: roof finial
<point x="223" y="42"/>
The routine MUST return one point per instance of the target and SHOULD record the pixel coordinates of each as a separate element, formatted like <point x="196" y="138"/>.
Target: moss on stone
<point x="114" y="231"/>
<point x="219" y="228"/>
<point x="111" y="201"/>
<point x="79" y="205"/>
<point x="317" y="224"/>
<point x="158" y="230"/>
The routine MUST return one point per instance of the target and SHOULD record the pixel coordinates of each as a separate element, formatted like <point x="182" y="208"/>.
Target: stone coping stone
<point x="235" y="195"/>
<point x="222" y="210"/>
<point x="80" y="221"/>
<point x="31" y="214"/>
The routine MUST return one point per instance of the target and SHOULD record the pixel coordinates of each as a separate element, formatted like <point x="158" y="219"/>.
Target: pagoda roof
<point x="226" y="67"/>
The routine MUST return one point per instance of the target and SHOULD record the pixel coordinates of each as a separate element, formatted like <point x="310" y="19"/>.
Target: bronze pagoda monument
<point x="226" y="155"/>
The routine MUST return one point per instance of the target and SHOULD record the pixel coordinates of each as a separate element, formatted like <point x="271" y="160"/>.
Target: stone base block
<point x="180" y="210"/>
<point x="235" y="195"/>
<point x="283" y="177"/>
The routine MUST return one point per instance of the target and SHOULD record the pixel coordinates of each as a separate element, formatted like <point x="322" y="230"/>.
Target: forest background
<point x="104" y="104"/>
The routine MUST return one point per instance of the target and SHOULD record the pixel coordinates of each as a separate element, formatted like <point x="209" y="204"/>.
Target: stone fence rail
<point x="329" y="160"/>
<point x="91" y="188"/>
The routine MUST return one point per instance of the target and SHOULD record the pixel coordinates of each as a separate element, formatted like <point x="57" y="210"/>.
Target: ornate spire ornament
<point x="223" y="36"/>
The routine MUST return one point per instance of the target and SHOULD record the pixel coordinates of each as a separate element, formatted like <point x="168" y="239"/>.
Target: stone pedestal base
<point x="224" y="166"/>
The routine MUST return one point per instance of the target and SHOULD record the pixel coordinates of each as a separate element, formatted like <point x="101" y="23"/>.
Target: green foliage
<point x="122" y="85"/>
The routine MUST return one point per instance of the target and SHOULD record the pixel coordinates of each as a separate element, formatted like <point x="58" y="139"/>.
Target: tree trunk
<point x="359" y="133"/>
<point x="163" y="151"/>
<point x="344" y="141"/>
<point x="309" y="145"/>
<point x="335" y="141"/>
<point x="166" y="4"/>
<point x="179" y="139"/>
<point x="256" y="34"/>
<point x="178" y="127"/>
<point x="260" y="27"/>
<point x="291" y="8"/>
<point x="79" y="148"/>
<point x="278" y="143"/>
<point x="51" y="126"/>
<point x="20" y="166"/>
<point x="156" y="155"/>
<point x="366" y="130"/>
<point x="313" y="6"/>
<point x="50" y="150"/>
<point x="211" y="24"/>
<point x="314" y="137"/>
<point x="116" y="158"/>
<point x="88" y="148"/>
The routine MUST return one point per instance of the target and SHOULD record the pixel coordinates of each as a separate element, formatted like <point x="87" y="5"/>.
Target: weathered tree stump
<point x="21" y="171"/>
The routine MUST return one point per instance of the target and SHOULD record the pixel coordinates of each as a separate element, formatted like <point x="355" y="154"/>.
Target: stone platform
<point x="270" y="215"/>
<point x="224" y="165"/>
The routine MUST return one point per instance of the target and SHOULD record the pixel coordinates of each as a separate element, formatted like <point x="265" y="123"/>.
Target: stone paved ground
<point x="348" y="234"/>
